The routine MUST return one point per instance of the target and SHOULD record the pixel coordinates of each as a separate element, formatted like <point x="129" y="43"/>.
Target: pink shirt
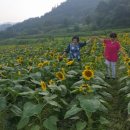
<point x="111" y="50"/>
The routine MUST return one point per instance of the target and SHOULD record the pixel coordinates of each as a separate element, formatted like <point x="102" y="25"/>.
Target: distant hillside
<point x="71" y="12"/>
<point x="5" y="26"/>
<point x="73" y="16"/>
<point x="113" y="14"/>
<point x="68" y="13"/>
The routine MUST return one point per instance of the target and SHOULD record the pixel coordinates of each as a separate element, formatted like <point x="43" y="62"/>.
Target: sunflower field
<point x="40" y="90"/>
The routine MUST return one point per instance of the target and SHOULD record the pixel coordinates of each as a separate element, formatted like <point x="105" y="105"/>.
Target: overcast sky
<point x="19" y="10"/>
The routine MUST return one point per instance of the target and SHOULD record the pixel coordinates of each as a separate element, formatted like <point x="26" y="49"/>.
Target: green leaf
<point x="18" y="87"/>
<point x="31" y="109"/>
<point x="124" y="89"/>
<point x="78" y="83"/>
<point x="74" y="110"/>
<point x="36" y="127"/>
<point x="123" y="78"/>
<point x="97" y="80"/>
<point x="35" y="76"/>
<point x="2" y="103"/>
<point x="123" y="67"/>
<point x="43" y="93"/>
<point x="89" y="105"/>
<point x="102" y="108"/>
<point x="129" y="108"/>
<point x="27" y="93"/>
<point x="94" y="86"/>
<point x="49" y="98"/>
<point x="100" y="74"/>
<point x="16" y="110"/>
<point x="75" y="118"/>
<point x="104" y="121"/>
<point x="2" y="81"/>
<point x="72" y="72"/>
<point x="54" y="103"/>
<point x="63" y="101"/>
<point x="106" y="94"/>
<point x="51" y="123"/>
<point x="128" y="83"/>
<point x="35" y="82"/>
<point x="128" y="95"/>
<point x="81" y="125"/>
<point x="23" y="122"/>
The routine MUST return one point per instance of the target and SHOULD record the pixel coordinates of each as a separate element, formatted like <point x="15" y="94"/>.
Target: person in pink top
<point x="112" y="47"/>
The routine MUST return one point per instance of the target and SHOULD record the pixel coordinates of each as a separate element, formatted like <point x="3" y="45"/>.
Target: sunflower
<point x="20" y="60"/>
<point x="63" y="70"/>
<point x="52" y="54"/>
<point x="70" y="62"/>
<point x="88" y="74"/>
<point x="87" y="67"/>
<point x="126" y="59"/>
<point x="60" y="76"/>
<point x="43" y="85"/>
<point x="80" y="89"/>
<point x="86" y="87"/>
<point x="40" y="65"/>
<point x="46" y="63"/>
<point x="51" y="82"/>
<point x="128" y="72"/>
<point x="128" y="65"/>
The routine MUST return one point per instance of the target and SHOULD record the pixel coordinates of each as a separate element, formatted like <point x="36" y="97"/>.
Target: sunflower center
<point x="88" y="73"/>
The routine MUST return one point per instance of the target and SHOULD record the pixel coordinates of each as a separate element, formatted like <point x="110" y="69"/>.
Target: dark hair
<point x="75" y="37"/>
<point x="113" y="35"/>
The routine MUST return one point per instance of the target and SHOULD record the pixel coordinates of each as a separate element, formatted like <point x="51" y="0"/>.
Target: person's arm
<point x="122" y="51"/>
<point x="101" y="40"/>
<point x="66" y="51"/>
<point x="86" y="42"/>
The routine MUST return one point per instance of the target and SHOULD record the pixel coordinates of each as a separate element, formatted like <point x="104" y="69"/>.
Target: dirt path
<point x="117" y="121"/>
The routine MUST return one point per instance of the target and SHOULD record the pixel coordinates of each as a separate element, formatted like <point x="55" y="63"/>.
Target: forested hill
<point x="5" y="26"/>
<point x="71" y="12"/>
<point x="113" y="13"/>
<point x="68" y="13"/>
<point x="74" y="14"/>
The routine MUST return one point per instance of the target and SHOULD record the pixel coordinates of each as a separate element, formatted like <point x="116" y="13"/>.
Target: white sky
<point x="19" y="10"/>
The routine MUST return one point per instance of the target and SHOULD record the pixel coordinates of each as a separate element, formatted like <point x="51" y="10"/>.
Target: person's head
<point x="113" y="36"/>
<point x="75" y="39"/>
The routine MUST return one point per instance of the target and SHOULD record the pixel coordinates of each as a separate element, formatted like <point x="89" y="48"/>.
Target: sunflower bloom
<point x="128" y="72"/>
<point x="128" y="65"/>
<point x="85" y="87"/>
<point x="40" y="65"/>
<point x="88" y="74"/>
<point x="52" y="54"/>
<point x="43" y="85"/>
<point x="70" y="62"/>
<point x="80" y="89"/>
<point x="87" y="67"/>
<point x="20" y="60"/>
<point x="51" y="82"/>
<point x="126" y="59"/>
<point x="63" y="70"/>
<point x="60" y="76"/>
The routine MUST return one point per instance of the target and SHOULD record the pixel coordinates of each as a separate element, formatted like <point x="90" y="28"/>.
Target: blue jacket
<point x="74" y="50"/>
